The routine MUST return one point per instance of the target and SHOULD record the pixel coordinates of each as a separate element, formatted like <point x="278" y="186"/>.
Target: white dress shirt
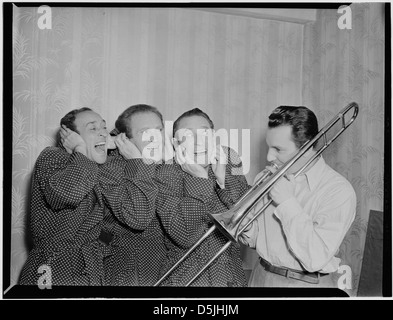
<point x="305" y="231"/>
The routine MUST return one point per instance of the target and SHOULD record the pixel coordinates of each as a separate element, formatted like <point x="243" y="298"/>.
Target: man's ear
<point x="114" y="132"/>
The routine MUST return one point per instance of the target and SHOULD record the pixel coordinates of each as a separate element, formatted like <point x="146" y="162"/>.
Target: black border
<point x="280" y="5"/>
<point x="7" y="142"/>
<point x="29" y="292"/>
<point x="387" y="217"/>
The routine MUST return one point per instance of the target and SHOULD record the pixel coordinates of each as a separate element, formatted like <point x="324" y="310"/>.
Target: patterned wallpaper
<point x="237" y="69"/>
<point x="340" y="66"/>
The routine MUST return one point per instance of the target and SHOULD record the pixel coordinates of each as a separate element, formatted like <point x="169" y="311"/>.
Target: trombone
<point x="229" y="222"/>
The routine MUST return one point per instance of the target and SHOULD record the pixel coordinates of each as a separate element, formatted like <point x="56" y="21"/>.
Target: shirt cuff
<point x="288" y="210"/>
<point x="222" y="186"/>
<point x="247" y="237"/>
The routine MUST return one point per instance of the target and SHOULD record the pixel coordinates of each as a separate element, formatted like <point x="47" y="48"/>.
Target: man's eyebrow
<point x="95" y="122"/>
<point x="200" y="128"/>
<point x="149" y="128"/>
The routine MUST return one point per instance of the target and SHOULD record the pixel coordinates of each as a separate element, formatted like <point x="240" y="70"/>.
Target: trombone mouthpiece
<point x="272" y="164"/>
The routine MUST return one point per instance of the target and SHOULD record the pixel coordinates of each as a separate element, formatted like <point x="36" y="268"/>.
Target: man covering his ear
<point x="78" y="191"/>
<point x="205" y="179"/>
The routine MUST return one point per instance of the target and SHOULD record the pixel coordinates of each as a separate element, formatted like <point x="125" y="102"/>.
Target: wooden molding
<point x="289" y="15"/>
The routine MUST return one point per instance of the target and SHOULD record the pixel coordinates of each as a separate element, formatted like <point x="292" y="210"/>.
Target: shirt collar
<point x="314" y="174"/>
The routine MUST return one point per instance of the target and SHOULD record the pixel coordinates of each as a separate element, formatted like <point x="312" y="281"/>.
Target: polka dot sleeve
<point x="65" y="179"/>
<point x="235" y="182"/>
<point x="198" y="188"/>
<point x="183" y="216"/>
<point x="129" y="191"/>
<point x="139" y="169"/>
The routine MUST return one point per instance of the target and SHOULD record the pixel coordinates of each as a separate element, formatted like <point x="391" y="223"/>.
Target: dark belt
<point x="310" y="277"/>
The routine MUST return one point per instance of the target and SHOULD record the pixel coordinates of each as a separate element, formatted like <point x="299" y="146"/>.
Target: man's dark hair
<point x="123" y="124"/>
<point x="302" y="120"/>
<point x="69" y="119"/>
<point x="191" y="113"/>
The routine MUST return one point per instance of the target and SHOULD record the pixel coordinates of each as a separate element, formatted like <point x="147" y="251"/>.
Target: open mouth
<point x="100" y="147"/>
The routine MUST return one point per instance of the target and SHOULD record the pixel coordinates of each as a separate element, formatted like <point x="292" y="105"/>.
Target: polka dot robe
<point x="183" y="205"/>
<point x="74" y="200"/>
<point x="138" y="248"/>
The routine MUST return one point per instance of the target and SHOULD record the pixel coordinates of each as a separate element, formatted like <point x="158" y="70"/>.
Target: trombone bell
<point x="228" y="222"/>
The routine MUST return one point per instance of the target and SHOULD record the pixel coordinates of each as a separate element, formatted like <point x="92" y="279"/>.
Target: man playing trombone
<point x="298" y="236"/>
